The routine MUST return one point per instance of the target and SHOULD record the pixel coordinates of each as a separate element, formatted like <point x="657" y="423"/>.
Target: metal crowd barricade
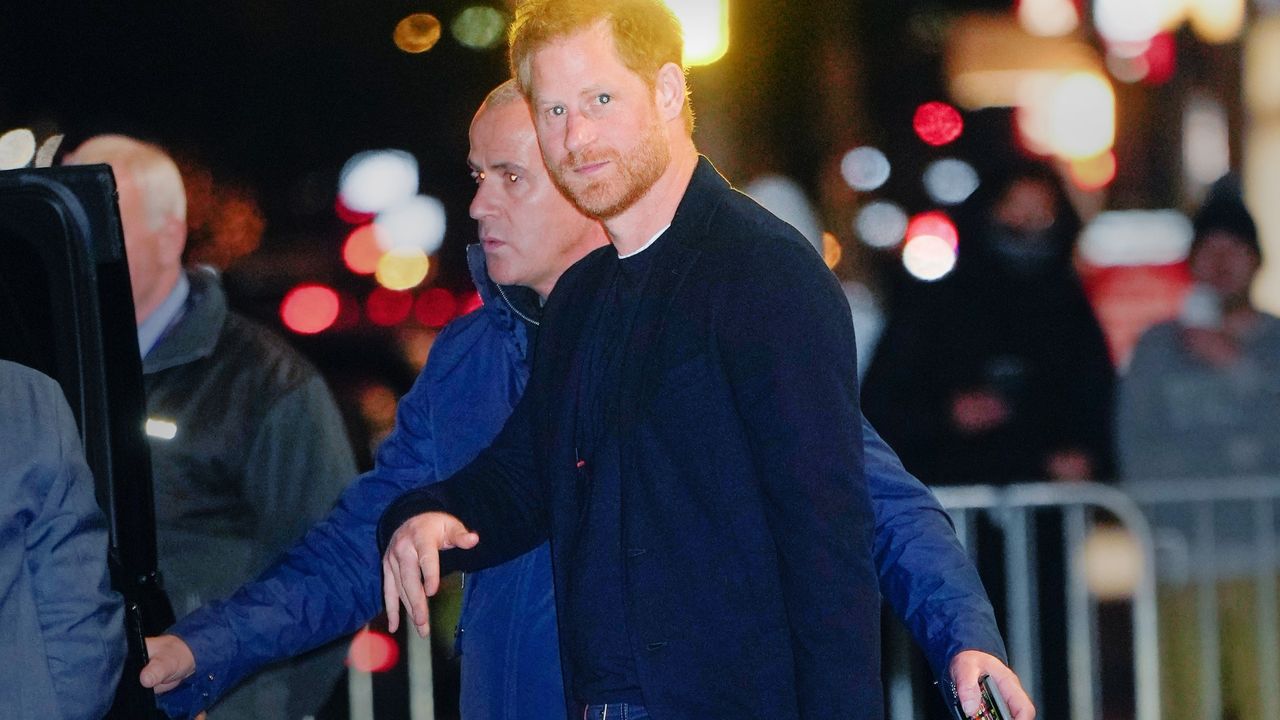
<point x="1214" y="530"/>
<point x="1012" y="511"/>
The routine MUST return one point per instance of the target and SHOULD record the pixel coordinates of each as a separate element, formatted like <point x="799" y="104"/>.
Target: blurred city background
<point x="324" y="149"/>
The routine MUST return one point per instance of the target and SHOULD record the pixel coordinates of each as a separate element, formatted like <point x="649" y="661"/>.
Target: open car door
<point x="67" y="311"/>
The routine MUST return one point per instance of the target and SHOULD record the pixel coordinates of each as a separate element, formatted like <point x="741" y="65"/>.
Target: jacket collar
<point x="513" y="301"/>
<point x="196" y="333"/>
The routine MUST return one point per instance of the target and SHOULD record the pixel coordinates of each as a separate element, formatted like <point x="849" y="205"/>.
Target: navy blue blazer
<point x="746" y="522"/>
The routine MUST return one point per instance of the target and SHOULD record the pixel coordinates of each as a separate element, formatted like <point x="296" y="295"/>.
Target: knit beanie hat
<point x="1224" y="211"/>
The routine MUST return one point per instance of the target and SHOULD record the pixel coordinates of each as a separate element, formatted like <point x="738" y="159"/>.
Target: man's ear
<point x="670" y="91"/>
<point x="172" y="237"/>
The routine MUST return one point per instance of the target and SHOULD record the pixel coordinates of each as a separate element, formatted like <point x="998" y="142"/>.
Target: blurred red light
<point x="349" y="216"/>
<point x="469" y="303"/>
<point x="372" y="651"/>
<point x="388" y="307"/>
<point x="1162" y="59"/>
<point x="309" y="308"/>
<point x="934" y="223"/>
<point x="435" y="307"/>
<point x="937" y="123"/>
<point x="361" y="252"/>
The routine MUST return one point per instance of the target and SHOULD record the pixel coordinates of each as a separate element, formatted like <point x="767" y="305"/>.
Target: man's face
<point x="597" y="123"/>
<point x="1226" y="264"/>
<point x="142" y="242"/>
<point x="529" y="231"/>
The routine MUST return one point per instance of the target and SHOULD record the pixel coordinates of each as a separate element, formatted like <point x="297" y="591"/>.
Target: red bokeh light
<point x="349" y="216"/>
<point x="471" y="302"/>
<point x="935" y="223"/>
<point x="388" y="307"/>
<point x="1162" y="59"/>
<point x="372" y="651"/>
<point x="309" y="308"/>
<point x="361" y="252"/>
<point x="937" y="123"/>
<point x="435" y="307"/>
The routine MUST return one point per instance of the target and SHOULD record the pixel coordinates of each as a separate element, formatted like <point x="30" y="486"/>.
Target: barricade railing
<point x="1012" y="512"/>
<point x="1217" y="537"/>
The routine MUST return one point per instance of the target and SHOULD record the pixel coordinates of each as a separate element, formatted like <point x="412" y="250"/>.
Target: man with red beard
<point x="690" y="440"/>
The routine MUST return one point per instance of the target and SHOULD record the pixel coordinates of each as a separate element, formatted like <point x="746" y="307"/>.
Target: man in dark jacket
<point x="690" y="439"/>
<point x="247" y="445"/>
<point x="475" y="375"/>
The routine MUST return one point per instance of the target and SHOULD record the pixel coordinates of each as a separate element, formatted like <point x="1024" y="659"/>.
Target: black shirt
<point x="599" y="642"/>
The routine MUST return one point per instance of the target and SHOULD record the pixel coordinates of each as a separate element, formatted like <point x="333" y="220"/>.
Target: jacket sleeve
<point x="1142" y="420"/>
<point x="500" y="495"/>
<point x="325" y="586"/>
<point x="81" y="618"/>
<point x="924" y="572"/>
<point x="786" y="341"/>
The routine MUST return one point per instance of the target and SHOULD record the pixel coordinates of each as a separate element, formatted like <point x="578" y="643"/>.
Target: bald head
<point x="153" y="213"/>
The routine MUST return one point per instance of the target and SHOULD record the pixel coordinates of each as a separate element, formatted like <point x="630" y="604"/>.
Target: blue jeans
<point x="615" y="711"/>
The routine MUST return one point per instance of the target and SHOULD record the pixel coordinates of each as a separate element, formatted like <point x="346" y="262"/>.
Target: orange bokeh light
<point x="309" y="308"/>
<point x="1094" y="173"/>
<point x="361" y="252"/>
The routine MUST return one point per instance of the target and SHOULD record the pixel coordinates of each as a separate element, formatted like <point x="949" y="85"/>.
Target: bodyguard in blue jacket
<point x="329" y="583"/>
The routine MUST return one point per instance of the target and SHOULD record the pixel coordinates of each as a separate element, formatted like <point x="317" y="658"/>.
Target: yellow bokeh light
<point x="706" y="29"/>
<point x="402" y="269"/>
<point x="1217" y="21"/>
<point x="417" y="33"/>
<point x="1082" y="116"/>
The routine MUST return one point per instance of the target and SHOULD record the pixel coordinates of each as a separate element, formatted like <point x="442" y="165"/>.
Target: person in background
<point x="1200" y="403"/>
<point x="247" y="445"/>
<point x="61" y="625"/>
<point x="1201" y="396"/>
<point x="999" y="372"/>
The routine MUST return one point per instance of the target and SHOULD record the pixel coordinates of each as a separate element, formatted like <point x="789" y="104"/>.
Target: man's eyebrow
<point x="509" y="167"/>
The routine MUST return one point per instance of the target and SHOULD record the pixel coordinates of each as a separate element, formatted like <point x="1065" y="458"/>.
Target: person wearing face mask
<point x="999" y="372"/>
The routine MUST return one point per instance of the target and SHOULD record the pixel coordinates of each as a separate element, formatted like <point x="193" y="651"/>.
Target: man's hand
<point x="170" y="663"/>
<point x="970" y="665"/>
<point x="411" y="567"/>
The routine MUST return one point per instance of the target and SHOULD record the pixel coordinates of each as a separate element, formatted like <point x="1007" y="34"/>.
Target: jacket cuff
<point x="970" y="636"/>
<point x="214" y="646"/>
<point x="414" y="502"/>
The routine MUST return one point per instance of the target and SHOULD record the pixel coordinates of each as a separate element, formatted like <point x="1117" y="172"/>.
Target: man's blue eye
<point x="604" y="98"/>
<point x="557" y="110"/>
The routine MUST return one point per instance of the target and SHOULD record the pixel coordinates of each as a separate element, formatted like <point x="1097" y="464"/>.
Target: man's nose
<point x="483" y="204"/>
<point x="579" y="132"/>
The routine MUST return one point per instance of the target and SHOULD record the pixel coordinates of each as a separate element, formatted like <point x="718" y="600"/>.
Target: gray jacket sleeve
<point x="80" y="617"/>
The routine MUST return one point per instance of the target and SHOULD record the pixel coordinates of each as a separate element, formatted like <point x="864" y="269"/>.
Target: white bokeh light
<point x="377" y="180"/>
<point x="17" y="148"/>
<point x="950" y="181"/>
<point x="928" y="257"/>
<point x="881" y="224"/>
<point x="417" y="223"/>
<point x="865" y="168"/>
